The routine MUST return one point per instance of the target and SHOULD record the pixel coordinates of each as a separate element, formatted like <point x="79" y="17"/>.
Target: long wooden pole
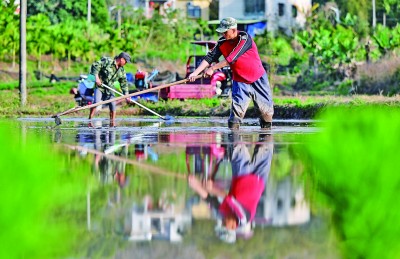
<point x="79" y="108"/>
<point x="137" y="103"/>
<point x="151" y="168"/>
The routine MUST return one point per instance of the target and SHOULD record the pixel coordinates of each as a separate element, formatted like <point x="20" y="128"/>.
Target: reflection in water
<point x="147" y="196"/>
<point x="237" y="207"/>
<point x="283" y="204"/>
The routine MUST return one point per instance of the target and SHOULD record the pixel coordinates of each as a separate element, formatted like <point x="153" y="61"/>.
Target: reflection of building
<point x="165" y="225"/>
<point x="283" y="204"/>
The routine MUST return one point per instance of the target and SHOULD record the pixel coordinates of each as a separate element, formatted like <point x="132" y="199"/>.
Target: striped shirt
<point x="243" y="197"/>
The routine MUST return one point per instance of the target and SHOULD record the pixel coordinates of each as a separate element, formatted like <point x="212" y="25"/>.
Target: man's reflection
<point x="249" y="177"/>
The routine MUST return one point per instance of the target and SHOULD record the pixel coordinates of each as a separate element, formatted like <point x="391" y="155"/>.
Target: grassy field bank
<point x="45" y="101"/>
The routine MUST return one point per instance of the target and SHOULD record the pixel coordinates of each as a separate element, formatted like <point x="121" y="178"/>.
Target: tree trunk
<point x="22" y="54"/>
<point x="69" y="60"/>
<point x="13" y="55"/>
<point x="40" y="60"/>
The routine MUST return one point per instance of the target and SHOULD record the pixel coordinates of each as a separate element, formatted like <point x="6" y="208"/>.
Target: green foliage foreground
<point x="354" y="165"/>
<point x="35" y="184"/>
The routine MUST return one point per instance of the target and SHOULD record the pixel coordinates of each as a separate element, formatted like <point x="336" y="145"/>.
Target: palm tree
<point x="57" y="47"/>
<point x="38" y="38"/>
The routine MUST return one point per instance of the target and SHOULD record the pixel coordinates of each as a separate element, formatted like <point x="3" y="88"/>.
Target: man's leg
<point x="91" y="113"/>
<point x="112" y="118"/>
<point x="262" y="156"/>
<point x="240" y="160"/>
<point x="113" y="112"/>
<point x="263" y="101"/>
<point x="240" y="103"/>
<point x="98" y="95"/>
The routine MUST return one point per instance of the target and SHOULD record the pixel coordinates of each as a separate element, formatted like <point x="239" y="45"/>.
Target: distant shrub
<point x="381" y="77"/>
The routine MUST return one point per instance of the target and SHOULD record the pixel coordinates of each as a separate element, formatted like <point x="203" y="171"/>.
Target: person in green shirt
<point x="107" y="71"/>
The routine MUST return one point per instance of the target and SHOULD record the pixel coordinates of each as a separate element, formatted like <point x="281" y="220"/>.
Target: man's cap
<point x="226" y="24"/>
<point x="126" y="56"/>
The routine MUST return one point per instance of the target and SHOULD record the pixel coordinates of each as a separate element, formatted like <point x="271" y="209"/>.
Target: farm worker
<point x="249" y="177"/>
<point x="108" y="71"/>
<point x="250" y="81"/>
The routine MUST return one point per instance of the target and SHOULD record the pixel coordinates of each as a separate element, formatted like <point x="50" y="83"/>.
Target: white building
<point x="283" y="204"/>
<point x="278" y="14"/>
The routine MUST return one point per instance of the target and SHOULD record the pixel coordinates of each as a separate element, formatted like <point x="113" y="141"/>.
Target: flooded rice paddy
<point x="139" y="203"/>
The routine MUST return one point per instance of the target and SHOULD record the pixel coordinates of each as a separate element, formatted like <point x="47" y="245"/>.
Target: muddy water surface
<point x="147" y="208"/>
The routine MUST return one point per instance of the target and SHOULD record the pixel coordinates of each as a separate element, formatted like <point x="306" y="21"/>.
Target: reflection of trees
<point x="111" y="202"/>
<point x="284" y="201"/>
<point x="286" y="162"/>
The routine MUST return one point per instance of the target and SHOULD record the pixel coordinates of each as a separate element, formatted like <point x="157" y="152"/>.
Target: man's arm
<point x="213" y="190"/>
<point x="211" y="57"/>
<point x="95" y="70"/>
<point x="203" y="65"/>
<point x="123" y="82"/>
<point x="195" y="184"/>
<point x="219" y="65"/>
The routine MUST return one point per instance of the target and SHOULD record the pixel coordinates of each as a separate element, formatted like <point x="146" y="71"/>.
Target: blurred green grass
<point x="354" y="166"/>
<point x="42" y="196"/>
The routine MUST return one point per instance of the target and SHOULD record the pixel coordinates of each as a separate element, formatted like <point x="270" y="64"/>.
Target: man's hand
<point x="192" y="76"/>
<point x="209" y="186"/>
<point x="209" y="72"/>
<point x="195" y="184"/>
<point x="129" y="100"/>
<point x="212" y="189"/>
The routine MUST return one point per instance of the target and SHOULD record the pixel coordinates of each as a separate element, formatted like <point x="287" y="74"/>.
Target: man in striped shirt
<point x="250" y="81"/>
<point x="250" y="172"/>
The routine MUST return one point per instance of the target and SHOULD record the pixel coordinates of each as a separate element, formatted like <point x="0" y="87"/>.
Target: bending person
<point x="108" y="71"/>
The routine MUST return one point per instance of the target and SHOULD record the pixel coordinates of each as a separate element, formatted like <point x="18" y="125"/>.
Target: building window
<point x="254" y="7"/>
<point x="193" y="11"/>
<point x="281" y="9"/>
<point x="294" y="11"/>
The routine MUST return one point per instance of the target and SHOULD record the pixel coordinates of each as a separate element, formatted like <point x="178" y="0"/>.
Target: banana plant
<point x="387" y="39"/>
<point x="331" y="45"/>
<point x="382" y="37"/>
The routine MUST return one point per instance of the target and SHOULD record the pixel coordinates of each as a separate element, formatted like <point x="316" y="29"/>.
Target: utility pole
<point x="373" y="14"/>
<point x="119" y="21"/>
<point x="89" y="11"/>
<point x="22" y="53"/>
